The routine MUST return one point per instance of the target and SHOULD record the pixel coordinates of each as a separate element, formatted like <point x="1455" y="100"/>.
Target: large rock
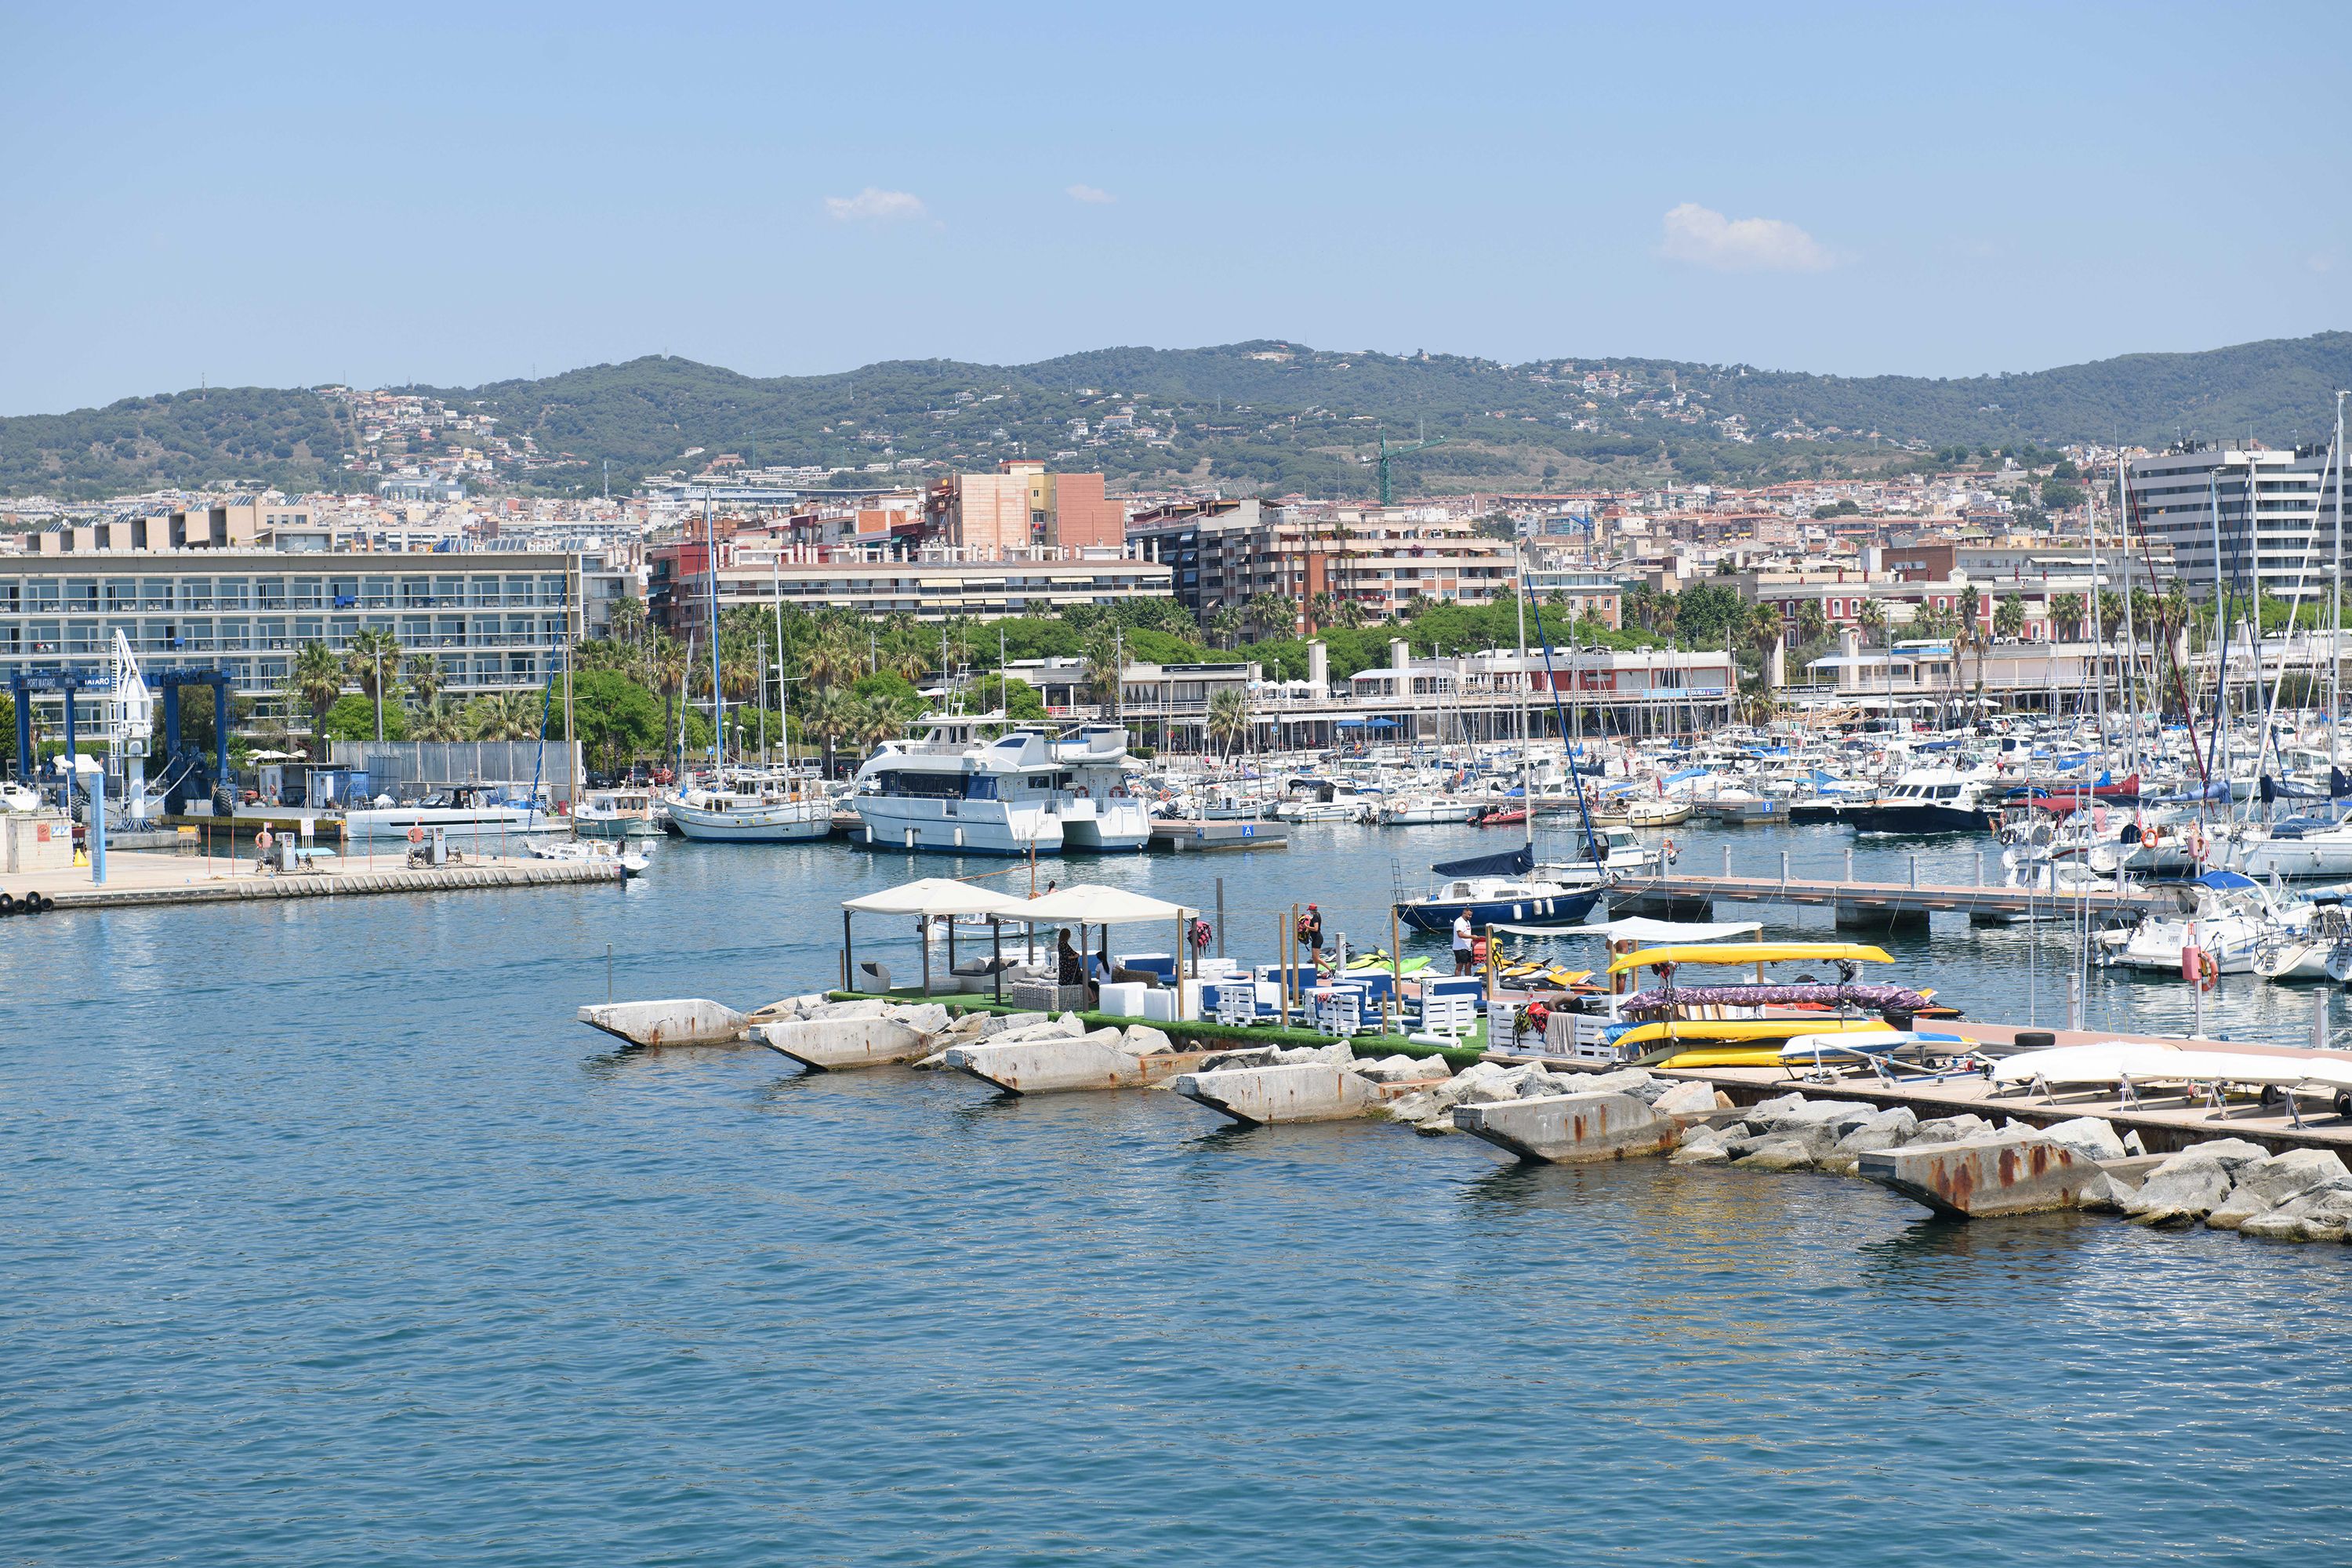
<point x="1687" y="1100"/>
<point x="1567" y="1129"/>
<point x="2187" y="1186"/>
<point x="2093" y="1135"/>
<point x="1951" y="1129"/>
<point x="804" y="1005"/>
<point x="2282" y="1177"/>
<point x="1887" y="1129"/>
<point x="834" y="1045"/>
<point x="1302" y="1091"/>
<point x="2322" y="1216"/>
<point x="683" y="1021"/>
<point x="1776" y="1153"/>
<point x="1146" y="1041"/>
<point x="863" y="1007"/>
<point x="923" y="1018"/>
<point x="1403" y="1070"/>
<point x="1703" y="1147"/>
<point x="2234" y="1153"/>
<point x="1984" y="1176"/>
<point x="1245" y="1056"/>
<point x="1644" y="1086"/>
<point x="1016" y="1023"/>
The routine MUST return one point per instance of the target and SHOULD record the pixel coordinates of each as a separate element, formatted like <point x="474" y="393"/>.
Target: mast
<point x="2098" y="630"/>
<point x="783" y="703"/>
<point x="2128" y="676"/>
<point x="2336" y="624"/>
<point x="718" y="694"/>
<point x="1527" y="757"/>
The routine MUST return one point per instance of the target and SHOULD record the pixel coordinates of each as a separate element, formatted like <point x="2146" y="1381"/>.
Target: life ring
<point x="1671" y="851"/>
<point x="416" y="833"/>
<point x="2197" y="845"/>
<point x="261" y="839"/>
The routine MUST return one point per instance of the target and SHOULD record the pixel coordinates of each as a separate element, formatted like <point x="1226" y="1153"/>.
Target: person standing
<point x="1462" y="941"/>
<point x="1310" y="934"/>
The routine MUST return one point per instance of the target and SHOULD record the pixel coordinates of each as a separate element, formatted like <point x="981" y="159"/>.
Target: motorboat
<point x="632" y="860"/>
<point x="1025" y="791"/>
<point x="1663" y="812"/>
<point x="753" y="807"/>
<point x="1427" y="810"/>
<point x="469" y="811"/>
<point x="2310" y="847"/>
<point x="1924" y="801"/>
<point x="2226" y="915"/>
<point x="617" y="813"/>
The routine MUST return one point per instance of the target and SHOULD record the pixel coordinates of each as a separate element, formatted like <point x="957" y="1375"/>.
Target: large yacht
<point x="1933" y="800"/>
<point x="1025" y="790"/>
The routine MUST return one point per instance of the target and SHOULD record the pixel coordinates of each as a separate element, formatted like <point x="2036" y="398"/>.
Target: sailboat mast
<point x="784" y="692"/>
<point x="2335" y="622"/>
<point x="717" y="695"/>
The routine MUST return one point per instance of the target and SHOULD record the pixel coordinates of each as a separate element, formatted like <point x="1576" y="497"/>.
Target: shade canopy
<point x="1093" y="903"/>
<point x="1664" y="933"/>
<point x="939" y="896"/>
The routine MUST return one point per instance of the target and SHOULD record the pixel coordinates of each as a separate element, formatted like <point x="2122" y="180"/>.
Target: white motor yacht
<point x="1025" y="791"/>
<point x="2227" y="915"/>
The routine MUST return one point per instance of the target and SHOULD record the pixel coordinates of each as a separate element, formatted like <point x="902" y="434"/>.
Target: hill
<point x="1264" y="415"/>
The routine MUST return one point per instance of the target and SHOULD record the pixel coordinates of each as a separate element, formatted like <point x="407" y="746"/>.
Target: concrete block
<point x="1567" y="1129"/>
<point x="1047" y="1064"/>
<point x="835" y="1044"/>
<point x="687" y="1021"/>
<point x="1307" y="1091"/>
<point x="1987" y="1176"/>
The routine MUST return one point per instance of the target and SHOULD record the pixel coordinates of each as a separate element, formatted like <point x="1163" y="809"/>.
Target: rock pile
<point x="2305" y="1195"/>
<point x="1431" y="1109"/>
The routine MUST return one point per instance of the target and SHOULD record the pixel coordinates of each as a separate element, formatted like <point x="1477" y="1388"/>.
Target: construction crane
<point x="1387" y="451"/>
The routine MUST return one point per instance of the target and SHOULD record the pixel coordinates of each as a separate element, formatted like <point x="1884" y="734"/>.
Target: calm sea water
<point x="327" y="1235"/>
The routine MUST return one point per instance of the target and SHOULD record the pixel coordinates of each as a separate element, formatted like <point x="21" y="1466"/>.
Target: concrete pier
<point x="1572" y="1129"/>
<point x="142" y="878"/>
<point x="1305" y="1091"/>
<point x="1098" y="1060"/>
<point x="1987" y="1176"/>
<point x="834" y="1045"/>
<point x="685" y="1021"/>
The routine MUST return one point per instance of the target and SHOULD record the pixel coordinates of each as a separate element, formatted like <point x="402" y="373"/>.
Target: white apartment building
<point x="2276" y="514"/>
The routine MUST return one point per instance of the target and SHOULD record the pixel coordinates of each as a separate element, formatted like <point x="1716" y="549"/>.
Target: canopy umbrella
<point x="1097" y="904"/>
<point x="933" y="898"/>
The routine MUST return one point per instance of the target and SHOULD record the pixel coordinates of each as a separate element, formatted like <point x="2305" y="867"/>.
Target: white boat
<point x="617" y="813"/>
<point x="468" y="812"/>
<point x="632" y="860"/>
<point x="1427" y="810"/>
<point x="2226" y="915"/>
<point x="1023" y="792"/>
<point x="1663" y="812"/>
<point x="2140" y="1062"/>
<point x="2300" y="846"/>
<point x="752" y="807"/>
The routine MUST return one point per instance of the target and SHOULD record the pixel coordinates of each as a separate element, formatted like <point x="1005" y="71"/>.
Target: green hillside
<point x="1268" y="416"/>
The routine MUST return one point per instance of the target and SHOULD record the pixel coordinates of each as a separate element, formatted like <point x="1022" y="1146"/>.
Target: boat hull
<point x="1555" y="909"/>
<point x="795" y="823"/>
<point x="1918" y="821"/>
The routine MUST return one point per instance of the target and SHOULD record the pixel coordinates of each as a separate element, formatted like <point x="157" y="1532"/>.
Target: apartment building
<point x="236" y="523"/>
<point x="496" y="622"/>
<point x="933" y="583"/>
<point x="2242" y="513"/>
<point x="1023" y="504"/>
<point x="1378" y="558"/>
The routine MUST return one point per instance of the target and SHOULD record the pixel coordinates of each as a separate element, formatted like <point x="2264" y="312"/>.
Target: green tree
<point x="314" y="682"/>
<point x="426" y="678"/>
<point x="618" y="719"/>
<point x="372" y="662"/>
<point x="1229" y="718"/>
<point x="2009" y="617"/>
<point x="354" y="717"/>
<point x="2068" y="611"/>
<point x="1018" y="698"/>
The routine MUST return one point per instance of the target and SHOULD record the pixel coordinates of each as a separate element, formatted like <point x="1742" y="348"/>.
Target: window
<point x="196" y="594"/>
<point x="81" y="594"/>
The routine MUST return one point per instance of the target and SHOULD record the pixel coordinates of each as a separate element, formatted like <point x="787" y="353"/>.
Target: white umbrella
<point x="1097" y="904"/>
<point x="932" y="896"/>
<point x="939" y="896"/>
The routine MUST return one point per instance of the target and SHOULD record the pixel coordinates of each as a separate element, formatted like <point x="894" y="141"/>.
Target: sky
<point x="240" y="195"/>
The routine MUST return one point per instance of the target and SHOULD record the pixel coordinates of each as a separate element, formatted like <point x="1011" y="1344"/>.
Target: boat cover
<point x="1515" y="863"/>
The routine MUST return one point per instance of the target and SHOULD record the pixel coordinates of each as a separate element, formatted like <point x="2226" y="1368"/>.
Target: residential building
<point x="2271" y="515"/>
<point x="496" y="622"/>
<point x="1380" y="559"/>
<point x="933" y="583"/>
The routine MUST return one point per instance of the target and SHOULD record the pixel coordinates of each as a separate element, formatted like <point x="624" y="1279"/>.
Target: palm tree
<point x="1812" y="622"/>
<point x="2067" y="610"/>
<point x="666" y="672"/>
<point x="1872" y="618"/>
<point x="1102" y="668"/>
<point x="834" y="659"/>
<point x="627" y="620"/>
<point x="441" y="720"/>
<point x="1320" y="610"/>
<point x="2009" y="617"/>
<point x="426" y="678"/>
<point x="373" y="660"/>
<point x="1354" y="613"/>
<point x="1272" y="613"/>
<point x="1228" y="622"/>
<point x="874" y="720"/>
<point x="1229" y="718"/>
<point x="509" y="716"/>
<point x="825" y="713"/>
<point x="315" y="681"/>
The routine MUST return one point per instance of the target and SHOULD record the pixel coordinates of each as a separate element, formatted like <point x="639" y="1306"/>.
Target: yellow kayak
<point x="1751" y="952"/>
<point x="1706" y="1033"/>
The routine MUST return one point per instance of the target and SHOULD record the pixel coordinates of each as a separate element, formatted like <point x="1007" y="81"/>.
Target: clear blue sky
<point x="329" y="193"/>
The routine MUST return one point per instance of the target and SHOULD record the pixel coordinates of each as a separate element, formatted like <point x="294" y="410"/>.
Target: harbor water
<point x="326" y="1234"/>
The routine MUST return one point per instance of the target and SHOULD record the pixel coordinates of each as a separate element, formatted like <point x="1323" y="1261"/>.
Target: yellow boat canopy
<point x="1699" y="1031"/>
<point x="1750" y="952"/>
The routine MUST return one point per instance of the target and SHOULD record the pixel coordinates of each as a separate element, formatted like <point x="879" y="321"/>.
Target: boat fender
<point x="2197" y="845"/>
<point x="8" y="903"/>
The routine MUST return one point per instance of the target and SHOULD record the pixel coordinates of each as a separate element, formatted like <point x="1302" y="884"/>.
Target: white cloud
<point x="1091" y="193"/>
<point x="874" y="206"/>
<point x="1704" y="238"/>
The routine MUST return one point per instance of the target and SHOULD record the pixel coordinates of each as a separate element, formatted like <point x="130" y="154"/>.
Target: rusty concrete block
<point x="1570" y="1129"/>
<point x="1982" y="1177"/>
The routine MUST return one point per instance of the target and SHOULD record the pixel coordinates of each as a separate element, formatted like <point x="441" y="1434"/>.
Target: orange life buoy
<point x="1670" y="847"/>
<point x="416" y="833"/>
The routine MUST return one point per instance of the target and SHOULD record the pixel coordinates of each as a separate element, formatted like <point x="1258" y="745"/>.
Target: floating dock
<point x="144" y="877"/>
<point x="1878" y="906"/>
<point x="1186" y="837"/>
